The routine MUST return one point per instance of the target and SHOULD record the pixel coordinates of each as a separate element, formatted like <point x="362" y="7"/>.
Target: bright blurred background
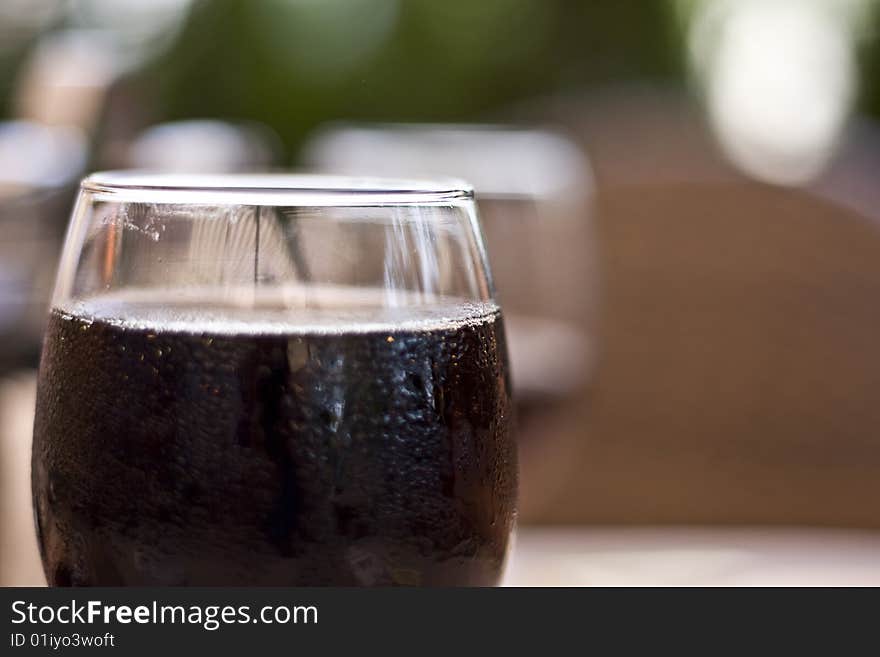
<point x="690" y="186"/>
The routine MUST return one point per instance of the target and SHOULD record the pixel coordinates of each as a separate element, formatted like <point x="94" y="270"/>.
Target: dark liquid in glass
<point x="187" y="448"/>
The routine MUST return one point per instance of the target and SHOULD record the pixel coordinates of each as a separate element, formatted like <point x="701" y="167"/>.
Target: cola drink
<point x="199" y="443"/>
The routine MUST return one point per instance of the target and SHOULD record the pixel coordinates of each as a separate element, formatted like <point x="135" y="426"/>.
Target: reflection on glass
<point x="534" y="190"/>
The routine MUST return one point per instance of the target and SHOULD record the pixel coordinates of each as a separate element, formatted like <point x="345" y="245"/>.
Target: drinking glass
<point x="273" y="380"/>
<point x="534" y="188"/>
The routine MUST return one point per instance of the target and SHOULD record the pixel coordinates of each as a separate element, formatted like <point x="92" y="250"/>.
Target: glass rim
<point x="280" y="189"/>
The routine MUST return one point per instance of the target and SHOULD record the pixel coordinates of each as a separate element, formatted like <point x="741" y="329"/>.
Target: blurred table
<point x="672" y="556"/>
<point x="587" y="556"/>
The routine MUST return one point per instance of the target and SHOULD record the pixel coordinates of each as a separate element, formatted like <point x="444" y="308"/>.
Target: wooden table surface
<point x="670" y="557"/>
<point x="583" y="556"/>
<point x="688" y="556"/>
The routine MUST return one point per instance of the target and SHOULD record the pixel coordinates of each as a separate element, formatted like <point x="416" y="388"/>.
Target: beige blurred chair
<point x="739" y="380"/>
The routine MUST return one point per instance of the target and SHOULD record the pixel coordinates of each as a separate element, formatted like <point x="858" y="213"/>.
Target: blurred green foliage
<point x="293" y="64"/>
<point x="869" y="57"/>
<point x="296" y="63"/>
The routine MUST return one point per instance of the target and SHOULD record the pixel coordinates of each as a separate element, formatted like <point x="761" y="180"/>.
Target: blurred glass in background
<point x="733" y="156"/>
<point x="534" y="190"/>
